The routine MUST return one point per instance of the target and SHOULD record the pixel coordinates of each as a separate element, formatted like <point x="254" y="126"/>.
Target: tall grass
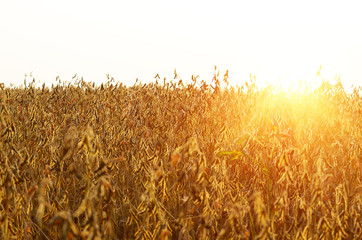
<point x="180" y="161"/>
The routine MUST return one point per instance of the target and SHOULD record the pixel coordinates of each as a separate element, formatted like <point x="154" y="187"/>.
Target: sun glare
<point x="296" y="80"/>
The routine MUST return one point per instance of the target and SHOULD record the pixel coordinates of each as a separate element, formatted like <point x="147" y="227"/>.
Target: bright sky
<point x="285" y="40"/>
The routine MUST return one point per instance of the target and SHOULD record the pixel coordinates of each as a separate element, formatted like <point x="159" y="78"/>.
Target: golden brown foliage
<point x="178" y="161"/>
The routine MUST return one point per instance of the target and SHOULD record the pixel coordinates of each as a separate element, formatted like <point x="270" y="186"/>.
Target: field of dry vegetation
<point x="180" y="161"/>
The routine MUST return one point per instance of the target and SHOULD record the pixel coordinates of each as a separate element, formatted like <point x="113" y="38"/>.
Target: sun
<point x="295" y="79"/>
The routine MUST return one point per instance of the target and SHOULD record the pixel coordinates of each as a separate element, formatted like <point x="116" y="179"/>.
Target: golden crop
<point x="180" y="161"/>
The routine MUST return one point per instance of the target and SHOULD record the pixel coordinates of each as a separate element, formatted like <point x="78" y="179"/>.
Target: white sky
<point x="285" y="40"/>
